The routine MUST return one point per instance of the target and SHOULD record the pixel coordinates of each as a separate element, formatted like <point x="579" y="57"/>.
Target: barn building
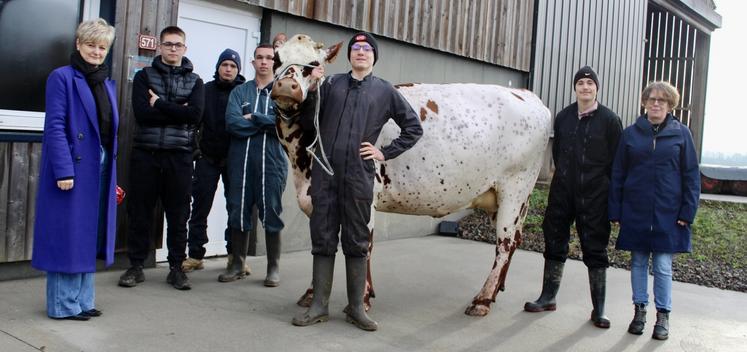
<point x="533" y="44"/>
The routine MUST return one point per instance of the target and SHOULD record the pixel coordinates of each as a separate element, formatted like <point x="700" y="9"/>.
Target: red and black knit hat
<point x="368" y="38"/>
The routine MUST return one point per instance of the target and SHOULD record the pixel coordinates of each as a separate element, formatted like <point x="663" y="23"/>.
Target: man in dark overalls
<point x="354" y="108"/>
<point x="584" y="145"/>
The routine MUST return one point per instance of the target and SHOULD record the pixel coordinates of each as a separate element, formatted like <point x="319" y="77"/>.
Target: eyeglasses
<point x="170" y="45"/>
<point x="364" y="47"/>
<point x="660" y="101"/>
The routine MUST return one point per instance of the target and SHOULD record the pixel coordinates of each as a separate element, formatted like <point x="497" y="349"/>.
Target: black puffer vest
<point x="174" y="84"/>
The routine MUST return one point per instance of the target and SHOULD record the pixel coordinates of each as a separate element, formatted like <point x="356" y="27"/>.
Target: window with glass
<point x="36" y="36"/>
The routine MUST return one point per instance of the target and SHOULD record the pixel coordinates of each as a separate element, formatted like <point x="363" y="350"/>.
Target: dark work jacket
<point x="169" y="124"/>
<point x="213" y="137"/>
<point x="353" y="112"/>
<point x="655" y="182"/>
<point x="583" y="150"/>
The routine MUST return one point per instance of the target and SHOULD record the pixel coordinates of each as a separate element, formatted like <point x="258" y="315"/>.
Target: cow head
<point x="294" y="62"/>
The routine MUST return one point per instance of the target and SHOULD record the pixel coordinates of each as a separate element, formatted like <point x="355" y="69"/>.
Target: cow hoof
<point x="477" y="310"/>
<point x="366" y="305"/>
<point x="305" y="300"/>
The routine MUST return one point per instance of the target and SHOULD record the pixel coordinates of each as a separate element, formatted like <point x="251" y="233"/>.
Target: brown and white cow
<point x="482" y="147"/>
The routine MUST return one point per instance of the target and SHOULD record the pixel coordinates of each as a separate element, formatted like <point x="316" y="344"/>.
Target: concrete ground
<point x="423" y="286"/>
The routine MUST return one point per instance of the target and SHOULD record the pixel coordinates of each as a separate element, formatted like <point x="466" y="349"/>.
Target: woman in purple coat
<point x="654" y="195"/>
<point x="75" y="214"/>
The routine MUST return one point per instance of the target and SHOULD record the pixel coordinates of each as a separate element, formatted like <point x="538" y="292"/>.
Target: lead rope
<point x="324" y="163"/>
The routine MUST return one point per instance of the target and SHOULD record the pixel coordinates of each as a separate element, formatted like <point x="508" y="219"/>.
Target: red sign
<point x="147" y="42"/>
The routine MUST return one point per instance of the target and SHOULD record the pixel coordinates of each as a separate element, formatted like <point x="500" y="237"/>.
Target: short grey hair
<point x="95" y="31"/>
<point x="667" y="90"/>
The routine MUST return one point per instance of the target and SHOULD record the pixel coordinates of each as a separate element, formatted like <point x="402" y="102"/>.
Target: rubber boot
<point x="272" y="241"/>
<point x="661" y="329"/>
<point x="229" y="263"/>
<point x="355" y="312"/>
<point x="239" y="243"/>
<point x="639" y="320"/>
<point x="550" y="284"/>
<point x="323" y="271"/>
<point x="598" y="285"/>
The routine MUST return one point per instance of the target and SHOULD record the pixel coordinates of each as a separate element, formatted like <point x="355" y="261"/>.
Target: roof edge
<point x="700" y="13"/>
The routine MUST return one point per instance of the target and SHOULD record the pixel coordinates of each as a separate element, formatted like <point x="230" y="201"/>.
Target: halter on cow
<point x="482" y="147"/>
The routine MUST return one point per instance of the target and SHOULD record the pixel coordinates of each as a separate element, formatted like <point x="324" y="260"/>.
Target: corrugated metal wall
<point x="607" y="35"/>
<point x="494" y="31"/>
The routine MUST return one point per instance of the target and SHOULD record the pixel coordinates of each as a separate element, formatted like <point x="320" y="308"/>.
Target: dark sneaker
<point x="79" y="317"/>
<point x="133" y="276"/>
<point x="179" y="280"/>
<point x="92" y="313"/>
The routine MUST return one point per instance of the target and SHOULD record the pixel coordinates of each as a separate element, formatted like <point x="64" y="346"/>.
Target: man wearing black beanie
<point x="212" y="151"/>
<point x="354" y="108"/>
<point x="367" y="38"/>
<point x="584" y="145"/>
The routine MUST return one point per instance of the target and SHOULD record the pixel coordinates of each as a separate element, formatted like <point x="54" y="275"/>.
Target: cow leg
<point x="509" y="218"/>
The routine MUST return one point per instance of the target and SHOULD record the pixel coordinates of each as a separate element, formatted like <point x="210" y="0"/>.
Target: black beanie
<point x="229" y="54"/>
<point x="365" y="37"/>
<point x="586" y="72"/>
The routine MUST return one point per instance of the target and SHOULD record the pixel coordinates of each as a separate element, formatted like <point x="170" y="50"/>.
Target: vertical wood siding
<point x="19" y="170"/>
<point x="494" y="31"/>
<point x="606" y="35"/>
<point x="133" y="17"/>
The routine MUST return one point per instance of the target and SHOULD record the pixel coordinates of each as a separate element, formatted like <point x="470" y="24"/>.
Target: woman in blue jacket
<point x="654" y="196"/>
<point x="75" y="214"/>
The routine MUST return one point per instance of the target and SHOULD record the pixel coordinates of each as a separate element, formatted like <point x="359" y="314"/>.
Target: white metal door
<point x="210" y="29"/>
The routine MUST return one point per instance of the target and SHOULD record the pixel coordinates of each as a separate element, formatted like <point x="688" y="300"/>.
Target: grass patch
<point x="719" y="240"/>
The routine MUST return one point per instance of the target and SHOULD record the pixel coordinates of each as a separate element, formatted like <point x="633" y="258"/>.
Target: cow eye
<point x="307" y="69"/>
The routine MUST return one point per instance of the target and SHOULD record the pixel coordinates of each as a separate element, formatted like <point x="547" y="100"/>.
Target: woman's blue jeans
<point x="69" y="294"/>
<point x="662" y="270"/>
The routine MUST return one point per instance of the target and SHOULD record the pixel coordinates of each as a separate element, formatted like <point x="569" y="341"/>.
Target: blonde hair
<point x="95" y="31"/>
<point x="670" y="93"/>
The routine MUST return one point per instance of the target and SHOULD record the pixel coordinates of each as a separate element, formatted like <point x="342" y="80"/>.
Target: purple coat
<point x="65" y="228"/>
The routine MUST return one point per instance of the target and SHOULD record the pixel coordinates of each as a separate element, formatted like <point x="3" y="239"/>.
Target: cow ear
<point x="332" y="52"/>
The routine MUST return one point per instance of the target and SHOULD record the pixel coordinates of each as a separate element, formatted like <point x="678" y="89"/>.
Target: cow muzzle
<point x="287" y="94"/>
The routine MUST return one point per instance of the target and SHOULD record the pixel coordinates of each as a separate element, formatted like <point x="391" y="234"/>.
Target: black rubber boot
<point x="661" y="329"/>
<point x="598" y="286"/>
<point x="550" y="285"/>
<point x="272" y="241"/>
<point x="639" y="320"/>
<point x="324" y="269"/>
<point x="239" y="243"/>
<point x="355" y="312"/>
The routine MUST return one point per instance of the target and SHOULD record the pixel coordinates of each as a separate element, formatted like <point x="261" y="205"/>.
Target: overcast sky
<point x="726" y="112"/>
